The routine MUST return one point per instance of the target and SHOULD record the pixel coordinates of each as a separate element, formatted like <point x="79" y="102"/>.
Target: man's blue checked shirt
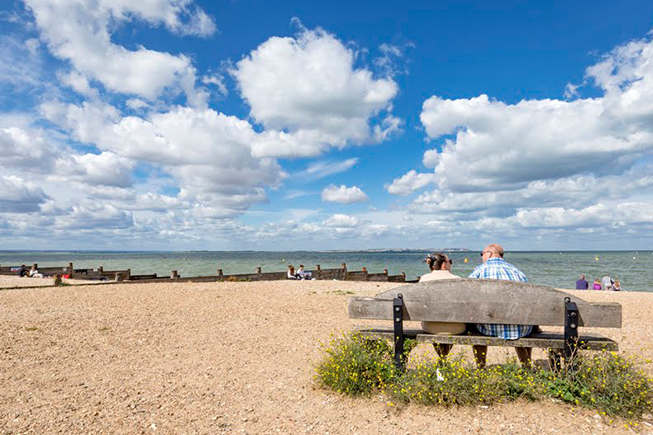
<point x="498" y="268"/>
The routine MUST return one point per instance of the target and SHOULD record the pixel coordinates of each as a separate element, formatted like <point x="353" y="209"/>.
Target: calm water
<point x="634" y="269"/>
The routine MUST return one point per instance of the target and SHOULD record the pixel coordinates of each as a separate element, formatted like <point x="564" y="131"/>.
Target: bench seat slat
<point x="544" y="340"/>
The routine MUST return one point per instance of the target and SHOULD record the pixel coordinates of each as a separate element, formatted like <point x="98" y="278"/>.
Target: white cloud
<point x="498" y="145"/>
<point x="88" y="122"/>
<point x="206" y="152"/>
<point x="19" y="196"/>
<point x="94" y="216"/>
<point x="79" y="31"/>
<point x="79" y="83"/>
<point x="389" y="60"/>
<point x="431" y="159"/>
<point x="549" y="165"/>
<point x="136" y="104"/>
<point x="308" y="94"/>
<point x="20" y="65"/>
<point x="343" y="194"/>
<point x="25" y="150"/>
<point x="107" y="169"/>
<point x="322" y="169"/>
<point x="216" y="80"/>
<point x="341" y="221"/>
<point x="410" y="182"/>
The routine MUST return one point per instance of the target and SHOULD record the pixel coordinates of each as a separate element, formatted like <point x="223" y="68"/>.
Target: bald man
<point x="495" y="267"/>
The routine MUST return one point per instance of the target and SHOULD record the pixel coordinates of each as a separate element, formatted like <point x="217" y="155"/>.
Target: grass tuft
<point x="356" y="366"/>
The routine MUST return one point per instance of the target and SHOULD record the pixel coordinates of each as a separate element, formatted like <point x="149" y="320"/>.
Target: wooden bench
<point x="488" y="301"/>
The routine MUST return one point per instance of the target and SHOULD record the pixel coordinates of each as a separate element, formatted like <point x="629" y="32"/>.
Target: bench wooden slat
<point x="485" y="301"/>
<point x="544" y="340"/>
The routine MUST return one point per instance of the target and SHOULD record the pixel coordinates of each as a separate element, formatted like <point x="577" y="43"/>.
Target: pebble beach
<point x="199" y="358"/>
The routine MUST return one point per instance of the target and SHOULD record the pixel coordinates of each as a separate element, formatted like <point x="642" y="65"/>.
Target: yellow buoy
<point x="596" y="258"/>
<point x="466" y="260"/>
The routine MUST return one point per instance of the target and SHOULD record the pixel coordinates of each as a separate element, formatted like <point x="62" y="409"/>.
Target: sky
<point x="294" y="125"/>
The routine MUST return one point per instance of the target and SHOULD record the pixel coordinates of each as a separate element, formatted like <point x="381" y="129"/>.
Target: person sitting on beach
<point x="34" y="273"/>
<point x="581" y="284"/>
<point x="291" y="273"/>
<point x="302" y="274"/>
<point x="23" y="271"/>
<point x="440" y="265"/>
<point x="597" y="284"/>
<point x="607" y="282"/>
<point x="616" y="286"/>
<point x="495" y="267"/>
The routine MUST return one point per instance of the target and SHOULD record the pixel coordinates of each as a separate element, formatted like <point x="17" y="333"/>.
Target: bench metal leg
<point x="398" y="311"/>
<point x="571" y="332"/>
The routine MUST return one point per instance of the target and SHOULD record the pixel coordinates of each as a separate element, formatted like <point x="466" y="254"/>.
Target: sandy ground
<point x="183" y="358"/>
<point x="8" y="281"/>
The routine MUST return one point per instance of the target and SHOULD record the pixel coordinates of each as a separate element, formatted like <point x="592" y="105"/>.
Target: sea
<point x="560" y="269"/>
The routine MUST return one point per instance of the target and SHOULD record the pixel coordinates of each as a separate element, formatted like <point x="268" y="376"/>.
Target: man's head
<point x="492" y="251"/>
<point x="582" y="276"/>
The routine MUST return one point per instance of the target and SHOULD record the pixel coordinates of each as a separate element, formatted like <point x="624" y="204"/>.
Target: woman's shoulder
<point x="437" y="275"/>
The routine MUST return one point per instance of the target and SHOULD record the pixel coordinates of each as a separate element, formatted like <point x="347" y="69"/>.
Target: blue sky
<point x="180" y="124"/>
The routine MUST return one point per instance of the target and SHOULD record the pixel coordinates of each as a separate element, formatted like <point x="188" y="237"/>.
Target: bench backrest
<point x="485" y="301"/>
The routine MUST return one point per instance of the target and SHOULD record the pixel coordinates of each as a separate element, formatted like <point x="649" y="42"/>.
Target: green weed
<point x="605" y="381"/>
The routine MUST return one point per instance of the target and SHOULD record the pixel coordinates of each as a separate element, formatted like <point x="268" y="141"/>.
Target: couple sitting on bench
<point x="493" y="267"/>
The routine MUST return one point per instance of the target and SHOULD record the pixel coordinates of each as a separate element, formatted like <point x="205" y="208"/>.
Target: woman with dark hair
<point x="440" y="265"/>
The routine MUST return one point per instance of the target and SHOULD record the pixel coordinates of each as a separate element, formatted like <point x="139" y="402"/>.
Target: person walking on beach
<point x="607" y="282"/>
<point x="581" y="284"/>
<point x="495" y="267"/>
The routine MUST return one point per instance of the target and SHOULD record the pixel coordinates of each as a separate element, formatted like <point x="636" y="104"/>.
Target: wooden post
<point x="118" y="277"/>
<point x="173" y="274"/>
<point x="344" y="271"/>
<point x="129" y="273"/>
<point x="259" y="272"/>
<point x="100" y="269"/>
<point x="403" y="274"/>
<point x="220" y="275"/>
<point x="70" y="270"/>
<point x="318" y="271"/>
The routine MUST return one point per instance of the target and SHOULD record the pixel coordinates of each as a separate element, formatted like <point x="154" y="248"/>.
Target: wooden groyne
<point x="100" y="274"/>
